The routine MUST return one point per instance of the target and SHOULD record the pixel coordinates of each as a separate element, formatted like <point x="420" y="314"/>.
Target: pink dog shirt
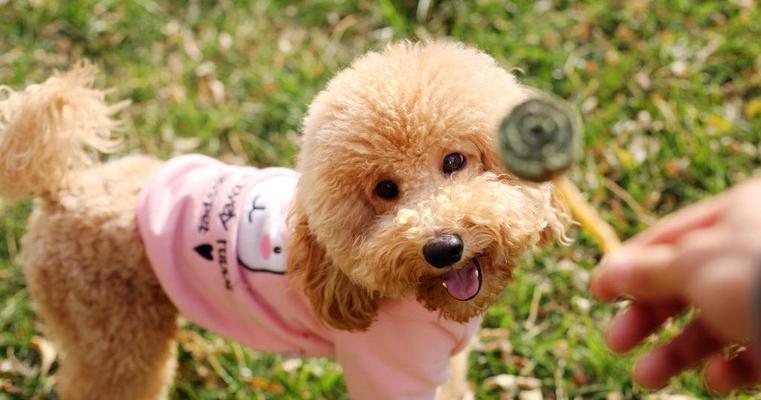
<point x="215" y="235"/>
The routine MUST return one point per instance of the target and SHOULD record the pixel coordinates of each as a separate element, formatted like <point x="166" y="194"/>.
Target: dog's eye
<point x="387" y="189"/>
<point x="453" y="162"/>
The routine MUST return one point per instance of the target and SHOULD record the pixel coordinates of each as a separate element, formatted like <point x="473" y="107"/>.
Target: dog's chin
<point x="465" y="291"/>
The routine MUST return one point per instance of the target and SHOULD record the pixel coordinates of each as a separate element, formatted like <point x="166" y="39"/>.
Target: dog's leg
<point x="115" y="334"/>
<point x="95" y="291"/>
<point x="141" y="368"/>
<point x="456" y="387"/>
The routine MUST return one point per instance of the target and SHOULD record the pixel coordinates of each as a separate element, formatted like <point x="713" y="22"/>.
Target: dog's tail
<point x="46" y="129"/>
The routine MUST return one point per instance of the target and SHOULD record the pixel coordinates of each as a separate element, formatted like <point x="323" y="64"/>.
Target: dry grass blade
<point x="48" y="353"/>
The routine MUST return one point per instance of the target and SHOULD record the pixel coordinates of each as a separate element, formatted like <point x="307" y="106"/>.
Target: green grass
<point x="667" y="88"/>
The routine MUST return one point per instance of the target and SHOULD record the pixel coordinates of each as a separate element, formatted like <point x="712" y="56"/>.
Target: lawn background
<point x="669" y="91"/>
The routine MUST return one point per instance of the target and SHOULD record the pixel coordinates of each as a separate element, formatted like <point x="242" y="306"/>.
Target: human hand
<point x="706" y="257"/>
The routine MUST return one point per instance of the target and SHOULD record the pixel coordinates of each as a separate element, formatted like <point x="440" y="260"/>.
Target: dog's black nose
<point x="444" y="250"/>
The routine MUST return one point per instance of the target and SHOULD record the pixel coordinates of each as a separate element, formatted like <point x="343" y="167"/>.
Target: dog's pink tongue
<point x="464" y="283"/>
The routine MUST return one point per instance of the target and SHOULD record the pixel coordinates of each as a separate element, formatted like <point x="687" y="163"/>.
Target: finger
<point x="659" y="273"/>
<point x="723" y="375"/>
<point x="725" y="291"/>
<point x="638" y="273"/>
<point x="636" y="323"/>
<point x="672" y="228"/>
<point x="685" y="351"/>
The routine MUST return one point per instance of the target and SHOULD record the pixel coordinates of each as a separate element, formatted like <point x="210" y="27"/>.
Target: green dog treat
<point x="540" y="138"/>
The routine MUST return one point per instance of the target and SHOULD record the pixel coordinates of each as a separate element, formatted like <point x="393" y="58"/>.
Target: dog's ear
<point x="558" y="215"/>
<point x="335" y="299"/>
<point x="558" y="219"/>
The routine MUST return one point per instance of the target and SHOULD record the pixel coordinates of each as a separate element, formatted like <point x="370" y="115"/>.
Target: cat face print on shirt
<point x="262" y="233"/>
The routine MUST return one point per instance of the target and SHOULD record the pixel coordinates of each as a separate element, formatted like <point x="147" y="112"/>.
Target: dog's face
<point x="402" y="192"/>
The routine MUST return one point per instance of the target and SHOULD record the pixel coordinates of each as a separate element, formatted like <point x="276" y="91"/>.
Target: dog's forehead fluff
<point x="404" y="99"/>
<point x="400" y="103"/>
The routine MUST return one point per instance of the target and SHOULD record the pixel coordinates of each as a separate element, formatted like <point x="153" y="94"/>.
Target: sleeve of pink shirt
<point x="403" y="355"/>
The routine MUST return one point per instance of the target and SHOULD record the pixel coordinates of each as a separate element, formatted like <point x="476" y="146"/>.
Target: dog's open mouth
<point x="464" y="283"/>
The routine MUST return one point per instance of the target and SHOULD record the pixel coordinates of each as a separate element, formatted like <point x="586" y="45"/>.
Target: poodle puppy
<point x="382" y="250"/>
